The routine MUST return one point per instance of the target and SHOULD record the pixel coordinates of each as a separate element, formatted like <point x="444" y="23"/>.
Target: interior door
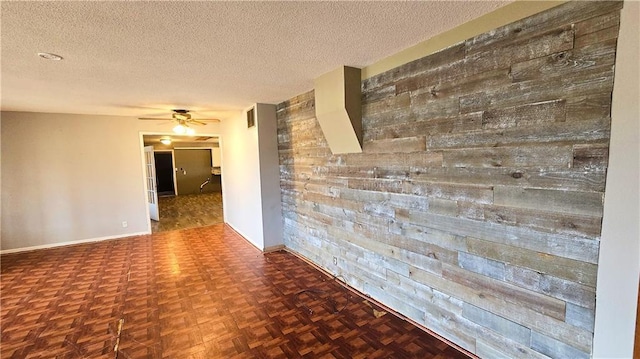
<point x="150" y="176"/>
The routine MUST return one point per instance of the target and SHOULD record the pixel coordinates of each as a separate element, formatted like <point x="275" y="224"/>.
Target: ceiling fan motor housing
<point x="183" y="117"/>
<point x="180" y="114"/>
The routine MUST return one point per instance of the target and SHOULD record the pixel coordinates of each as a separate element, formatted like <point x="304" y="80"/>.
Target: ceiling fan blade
<point x="197" y="122"/>
<point x="208" y="119"/>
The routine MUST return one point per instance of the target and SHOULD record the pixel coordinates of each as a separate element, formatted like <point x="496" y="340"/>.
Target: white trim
<point x="144" y="182"/>
<point x="193" y="148"/>
<point x="619" y="261"/>
<point x="70" y="243"/>
<point x="224" y="207"/>
<point x="175" y="172"/>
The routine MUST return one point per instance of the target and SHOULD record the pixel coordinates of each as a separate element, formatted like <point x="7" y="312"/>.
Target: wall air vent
<point x="251" y="118"/>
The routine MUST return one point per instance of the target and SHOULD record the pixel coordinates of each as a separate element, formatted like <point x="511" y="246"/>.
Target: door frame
<point x="143" y="197"/>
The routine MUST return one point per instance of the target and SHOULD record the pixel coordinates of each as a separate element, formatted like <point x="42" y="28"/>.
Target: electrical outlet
<point x="125" y="224"/>
<point x="335" y="261"/>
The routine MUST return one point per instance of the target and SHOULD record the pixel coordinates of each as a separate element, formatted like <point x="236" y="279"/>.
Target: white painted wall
<point x="69" y="178"/>
<point x="216" y="157"/>
<point x="619" y="264"/>
<point x="267" y="124"/>
<point x="241" y="179"/>
<point x="251" y="177"/>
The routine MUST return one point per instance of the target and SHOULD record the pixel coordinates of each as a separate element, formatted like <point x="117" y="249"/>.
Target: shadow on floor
<point x="188" y="211"/>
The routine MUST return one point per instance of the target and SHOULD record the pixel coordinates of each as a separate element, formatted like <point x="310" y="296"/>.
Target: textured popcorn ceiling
<point x="142" y="58"/>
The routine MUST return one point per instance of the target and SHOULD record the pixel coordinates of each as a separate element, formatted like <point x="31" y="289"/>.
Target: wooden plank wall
<point x="476" y="206"/>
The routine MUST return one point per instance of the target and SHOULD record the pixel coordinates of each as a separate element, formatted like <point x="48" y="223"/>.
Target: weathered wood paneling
<point x="589" y="107"/>
<point x="395" y="145"/>
<point x="544" y="220"/>
<point x="427" y="126"/>
<point x="476" y="205"/>
<point x="586" y="203"/>
<point x="570" y="269"/>
<point x="518" y="156"/>
<point x="415" y="68"/>
<point x="560" y="132"/>
<point x="513" y="331"/>
<point x="566" y="62"/>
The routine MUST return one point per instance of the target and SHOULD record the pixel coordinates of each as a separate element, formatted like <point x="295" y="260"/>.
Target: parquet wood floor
<point x="188" y="211"/>
<point x="193" y="293"/>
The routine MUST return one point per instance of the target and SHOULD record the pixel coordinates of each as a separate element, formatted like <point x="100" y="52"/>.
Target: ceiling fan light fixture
<point x="165" y="141"/>
<point x="180" y="129"/>
<point x="190" y="131"/>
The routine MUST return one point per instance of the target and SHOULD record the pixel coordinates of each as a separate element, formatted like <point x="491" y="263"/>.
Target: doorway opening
<point x="165" y="173"/>
<point x="186" y="181"/>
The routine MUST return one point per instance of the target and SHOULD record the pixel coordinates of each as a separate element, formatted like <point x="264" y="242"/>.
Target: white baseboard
<point x="70" y="243"/>
<point x="263" y="250"/>
<point x="243" y="236"/>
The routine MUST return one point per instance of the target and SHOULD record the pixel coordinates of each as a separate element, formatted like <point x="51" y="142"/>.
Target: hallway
<point x="188" y="211"/>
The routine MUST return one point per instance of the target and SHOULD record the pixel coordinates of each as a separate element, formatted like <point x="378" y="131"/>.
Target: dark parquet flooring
<point x="193" y="293"/>
<point x="188" y="211"/>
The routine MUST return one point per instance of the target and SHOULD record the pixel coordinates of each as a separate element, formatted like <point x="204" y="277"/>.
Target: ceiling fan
<point x="183" y="121"/>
